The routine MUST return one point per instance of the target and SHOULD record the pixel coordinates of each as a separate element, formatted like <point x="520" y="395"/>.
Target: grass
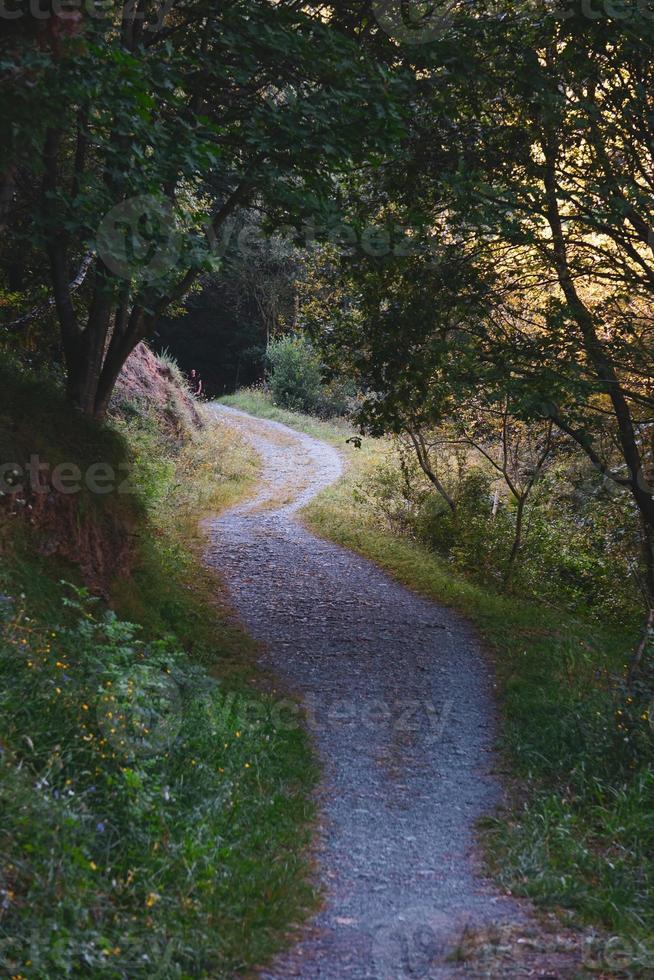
<point x="255" y="401"/>
<point x="170" y="587"/>
<point x="577" y="834"/>
<point x="155" y="817"/>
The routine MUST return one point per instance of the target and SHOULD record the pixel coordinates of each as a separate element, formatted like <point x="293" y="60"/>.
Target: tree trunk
<point x="423" y="460"/>
<point x="85" y="357"/>
<point x="93" y="376"/>
<point x="636" y="662"/>
<point x="517" y="541"/>
<point x="7" y="180"/>
<point x="139" y="326"/>
<point x="605" y="370"/>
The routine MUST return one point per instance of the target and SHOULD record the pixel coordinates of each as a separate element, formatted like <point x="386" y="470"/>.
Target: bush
<point x="577" y="547"/>
<point x="295" y="377"/>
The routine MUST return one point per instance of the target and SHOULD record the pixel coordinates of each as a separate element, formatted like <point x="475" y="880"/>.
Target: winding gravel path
<point x="399" y="704"/>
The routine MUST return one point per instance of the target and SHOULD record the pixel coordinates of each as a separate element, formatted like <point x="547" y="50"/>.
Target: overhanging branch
<point x="49" y="304"/>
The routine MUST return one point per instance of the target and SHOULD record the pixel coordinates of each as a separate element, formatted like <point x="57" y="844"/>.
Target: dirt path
<point x="400" y="707"/>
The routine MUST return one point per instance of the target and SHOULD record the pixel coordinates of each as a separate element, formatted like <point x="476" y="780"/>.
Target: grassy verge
<point x="255" y="401"/>
<point x="578" y="834"/>
<point x="154" y="815"/>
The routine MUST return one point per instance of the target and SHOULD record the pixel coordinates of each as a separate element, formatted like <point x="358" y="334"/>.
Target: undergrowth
<point x="154" y="814"/>
<point x="258" y="402"/>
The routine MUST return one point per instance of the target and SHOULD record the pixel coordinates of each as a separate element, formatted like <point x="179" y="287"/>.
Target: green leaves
<point x="245" y="101"/>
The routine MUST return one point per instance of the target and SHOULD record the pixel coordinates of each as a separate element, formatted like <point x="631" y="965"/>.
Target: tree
<point x="154" y="124"/>
<point x="519" y="452"/>
<point x="531" y="159"/>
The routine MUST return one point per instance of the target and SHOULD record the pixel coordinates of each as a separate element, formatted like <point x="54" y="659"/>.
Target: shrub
<point x="295" y="377"/>
<point x="576" y="546"/>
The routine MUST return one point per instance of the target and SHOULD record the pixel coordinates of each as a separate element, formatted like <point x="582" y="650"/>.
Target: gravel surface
<point x="399" y="703"/>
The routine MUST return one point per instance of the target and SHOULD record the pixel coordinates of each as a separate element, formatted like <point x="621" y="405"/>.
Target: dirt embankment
<point x="65" y="480"/>
<point x="152" y="382"/>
